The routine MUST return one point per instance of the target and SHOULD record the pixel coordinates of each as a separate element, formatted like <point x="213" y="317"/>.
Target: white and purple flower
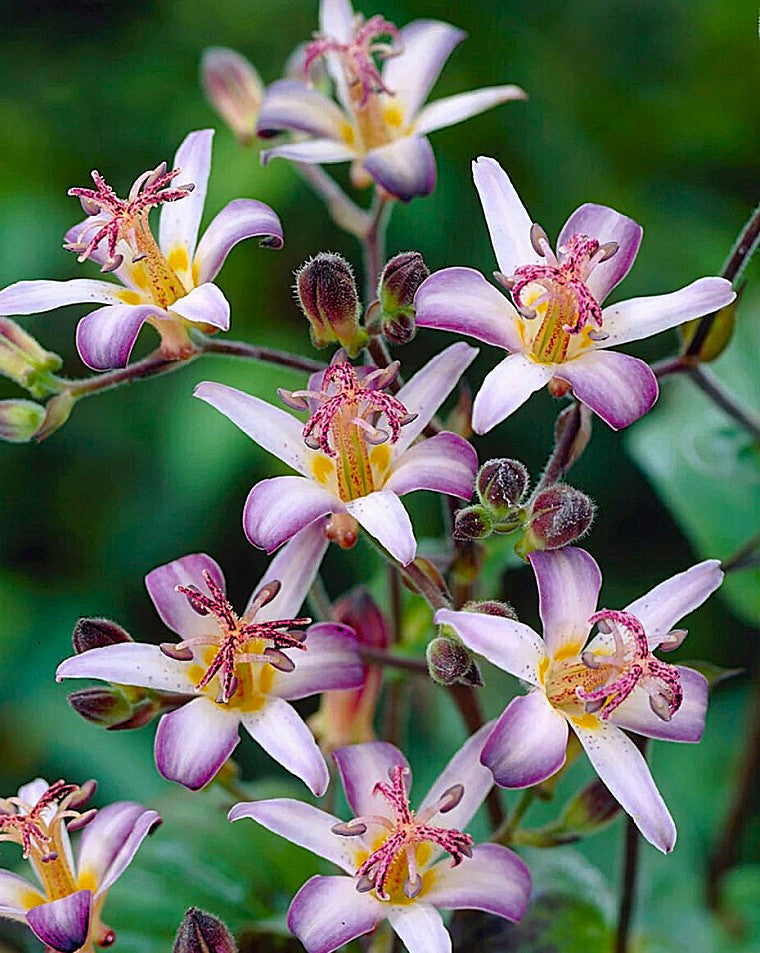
<point x="379" y="123"/>
<point x="239" y="670"/>
<point x="64" y="909"/>
<point x="167" y="283"/>
<point x="597" y="687"/>
<point x="394" y="857"/>
<point x="357" y="453"/>
<point x="556" y="332"/>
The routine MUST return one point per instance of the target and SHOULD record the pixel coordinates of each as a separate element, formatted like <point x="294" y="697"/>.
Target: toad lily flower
<point x="167" y="283"/>
<point x="240" y="670"/>
<point x="380" y="124"/>
<point x="352" y="465"/>
<point x="612" y="682"/>
<point x="395" y="857"/>
<point x="64" y="912"/>
<point x="557" y="332"/>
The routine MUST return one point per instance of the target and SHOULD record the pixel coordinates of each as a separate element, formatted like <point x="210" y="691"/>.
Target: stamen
<point x="33" y="826"/>
<point x="540" y="240"/>
<point x="673" y="640"/>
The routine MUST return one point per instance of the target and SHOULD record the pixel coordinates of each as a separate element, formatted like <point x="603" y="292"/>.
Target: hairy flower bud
<point x="57" y="412"/>
<point x="501" y="485"/>
<point x="326" y="291"/>
<point x="24" y="360"/>
<point x="103" y="706"/>
<point x="472" y="522"/>
<point x="396" y="289"/>
<point x="450" y="663"/>
<point x="95" y="633"/>
<point x="20" y="420"/>
<point x="234" y="89"/>
<point x="559" y="515"/>
<point x="201" y="932"/>
<point x="491" y="607"/>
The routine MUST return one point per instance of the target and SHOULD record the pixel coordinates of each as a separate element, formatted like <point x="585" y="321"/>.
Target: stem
<point x="344" y="212"/>
<point x="377" y="657"/>
<point x="254" y="352"/>
<point x="469" y="707"/>
<point x="504" y="833"/>
<point x="709" y="384"/>
<point x="425" y="586"/>
<point x="394" y="585"/>
<point x="742" y="558"/>
<point x="630" y="874"/>
<point x="373" y="244"/>
<point x="570" y="424"/>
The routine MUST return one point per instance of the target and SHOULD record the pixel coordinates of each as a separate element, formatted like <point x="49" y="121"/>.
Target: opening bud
<point x="450" y="663"/>
<point x="472" y="522"/>
<point x="95" y="633"/>
<point x="559" y="515"/>
<point x="396" y="289"/>
<point x="202" y="932"/>
<point x="24" y="360"/>
<point x="20" y="420"/>
<point x="234" y="89"/>
<point x="501" y="485"/>
<point x="326" y="291"/>
<point x="492" y="607"/>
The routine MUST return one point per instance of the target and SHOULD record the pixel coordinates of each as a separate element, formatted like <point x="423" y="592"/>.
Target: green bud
<point x="501" y="485"/>
<point x="326" y="291"/>
<point x="472" y="522"/>
<point x="57" y="411"/>
<point x="590" y="809"/>
<point x="201" y="932"/>
<point x="20" y="420"/>
<point x="24" y="360"/>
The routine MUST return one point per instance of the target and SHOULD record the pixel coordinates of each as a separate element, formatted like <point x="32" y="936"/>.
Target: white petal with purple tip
<point x="105" y="337"/>
<point x="240" y="219"/>
<point x="129" y="663"/>
<point x="328" y="912"/>
<point x="205" y="304"/>
<point x="311" y="151"/>
<point x="445" y="463"/>
<point x="290" y="104"/>
<point x="17" y="895"/>
<point x="330" y="663"/>
<point x="295" y="567"/>
<point x="111" y="840"/>
<point x="361" y="767"/>
<point x="278" y="508"/>
<point x="454" y="109"/>
<point x="33" y="297"/>
<point x="506" y="388"/>
<point x="425" y="47"/>
<point x="175" y="611"/>
<point x="506" y="217"/>
<point x="687" y="724"/>
<point x="194" y="741"/>
<point x="568" y="583"/>
<point x="420" y="927"/>
<point x="405" y="167"/>
<point x="336" y="20"/>
<point x="63" y="925"/>
<point x="383" y="516"/>
<point x="178" y="225"/>
<point x="528" y="744"/>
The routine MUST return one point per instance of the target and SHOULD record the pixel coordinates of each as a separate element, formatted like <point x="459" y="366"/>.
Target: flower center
<point x="347" y="420"/>
<point x="239" y="649"/>
<point x="391" y="869"/>
<point x="558" y="294"/>
<point x="37" y="829"/>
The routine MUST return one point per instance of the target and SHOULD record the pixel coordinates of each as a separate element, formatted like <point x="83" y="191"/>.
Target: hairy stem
<point x="377" y="657"/>
<point x="630" y="875"/>
<point x="572" y="430"/>
<point x="254" y="352"/>
<point x="373" y="245"/>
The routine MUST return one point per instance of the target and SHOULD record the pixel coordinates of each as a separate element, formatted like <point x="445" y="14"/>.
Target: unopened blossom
<point x="554" y="327"/>
<point x="356" y="454"/>
<point x="399" y="864"/>
<point x="167" y="283"/>
<point x="382" y="76"/>
<point x="234" y="88"/>
<point x="597" y="687"/>
<point x="64" y="907"/>
<point x="237" y="670"/>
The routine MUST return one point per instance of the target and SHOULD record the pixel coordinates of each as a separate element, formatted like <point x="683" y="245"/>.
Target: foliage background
<point x="648" y="106"/>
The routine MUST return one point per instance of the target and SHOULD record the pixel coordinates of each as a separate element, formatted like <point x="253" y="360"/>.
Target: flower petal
<point x="424" y="393"/>
<point x="461" y="300"/>
<point x="17" y="896"/>
<point x="283" y="734"/>
<point x="64" y="924"/>
<point x="688" y="723"/>
<point x="361" y="767"/>
<point x="568" y="583"/>
<point x="302" y="824"/>
<point x="494" y="879"/>
<point x="295" y="567"/>
<point x="445" y="463"/>
<point x="126" y="271"/>
<point x="240" y="219"/>
<point x="620" y="764"/>
<point x="178" y="225"/>
<point x="331" y="662"/>
<point x="405" y="168"/>
<point x="665" y="605"/>
<point x="328" y="912"/>
<point x="105" y="337"/>
<point x="606" y="225"/>
<point x="205" y="304"/>
<point x="528" y="744"/>
<point x="173" y="607"/>
<point x="383" y="516"/>
<point x="426" y="45"/>
<point x="505" y="388"/>
<point x="508" y="221"/>
<point x="111" y="840"/>
<point x="194" y="741"/>
<point x="640" y="318"/>
<point x="510" y="645"/>
<point x="617" y="387"/>
<point x="420" y="927"/>
<point x="336" y="20"/>
<point x="467" y="769"/>
<point x="454" y="109"/>
<point x="270" y="427"/>
<point x="33" y="297"/>
<point x="291" y="104"/>
<point x="129" y="663"/>
<point x="311" y="150"/>
<point x="278" y="508"/>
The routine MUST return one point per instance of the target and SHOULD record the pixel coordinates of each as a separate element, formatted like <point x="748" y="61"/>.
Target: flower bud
<point x="20" y="420"/>
<point x="102" y="706"/>
<point x="559" y="515"/>
<point x="201" y="932"/>
<point x="590" y="809"/>
<point x="234" y="89"/>
<point x="450" y="663"/>
<point x="57" y="411"/>
<point x="396" y="289"/>
<point x="95" y="633"/>
<point x="501" y="484"/>
<point x="326" y="291"/>
<point x="472" y="522"/>
<point x="24" y="360"/>
<point x="491" y="607"/>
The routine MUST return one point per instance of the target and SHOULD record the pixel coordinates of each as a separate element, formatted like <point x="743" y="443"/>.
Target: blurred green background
<point x="648" y="106"/>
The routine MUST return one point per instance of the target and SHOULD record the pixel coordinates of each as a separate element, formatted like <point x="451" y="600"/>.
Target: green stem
<point x="504" y="834"/>
<point x="344" y="211"/>
<point x="373" y="244"/>
<point x="630" y="874"/>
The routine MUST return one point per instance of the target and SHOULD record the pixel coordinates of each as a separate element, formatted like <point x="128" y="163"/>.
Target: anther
<point x="279" y="660"/>
<point x="661" y="706"/>
<point x="49" y="858"/>
<point x="590" y="659"/>
<point x="412" y="887"/>
<point x="673" y="640"/>
<point x="597" y="335"/>
<point x="349" y="828"/>
<point x="504" y="280"/>
<point x="86" y="791"/>
<point x="607" y="251"/>
<point x="176" y="652"/>
<point x="292" y="400"/>
<point x="267" y="593"/>
<point x="364" y="884"/>
<point x="195" y="597"/>
<point x="539" y="239"/>
<point x="604" y="626"/>
<point x="77" y="823"/>
<point x="451" y="798"/>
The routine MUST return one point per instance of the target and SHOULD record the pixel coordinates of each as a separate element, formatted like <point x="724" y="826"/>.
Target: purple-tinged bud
<point x="201" y="932"/>
<point x="472" y="522"/>
<point x="590" y="810"/>
<point x="343" y="530"/>
<point x="102" y="706"/>
<point x="559" y="515"/>
<point x="450" y="663"/>
<point x="234" y="89"/>
<point x="326" y="291"/>
<point x="24" y="360"/>
<point x="95" y="633"/>
<point x="396" y="289"/>
<point x="491" y="607"/>
<point x="20" y="420"/>
<point x="501" y="485"/>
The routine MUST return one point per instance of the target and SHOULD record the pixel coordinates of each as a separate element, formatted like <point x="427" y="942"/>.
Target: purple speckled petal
<point x="110" y="841"/>
<point x="606" y="225"/>
<point x="331" y="662"/>
<point x="16" y="895"/>
<point x="328" y="912"/>
<point x="383" y="516"/>
<point x="528" y="744"/>
<point x="63" y="925"/>
<point x="194" y="741"/>
<point x="617" y="387"/>
<point x="405" y="168"/>
<point x="34" y="297"/>
<point x="688" y="723"/>
<point x="205" y="304"/>
<point x="454" y="109"/>
<point x="105" y="337"/>
<point x="278" y="508"/>
<point x="291" y="104"/>
<point x="508" y="221"/>
<point x="445" y="463"/>
<point x="311" y="151"/>
<point x="240" y="219"/>
<point x="420" y="927"/>
<point x="179" y="221"/>
<point x="461" y="300"/>
<point x="361" y="767"/>
<point x="506" y="388"/>
<point x="129" y="663"/>
<point x="427" y="44"/>
<point x="494" y="879"/>
<point x="568" y="582"/>
<point x="173" y="607"/>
